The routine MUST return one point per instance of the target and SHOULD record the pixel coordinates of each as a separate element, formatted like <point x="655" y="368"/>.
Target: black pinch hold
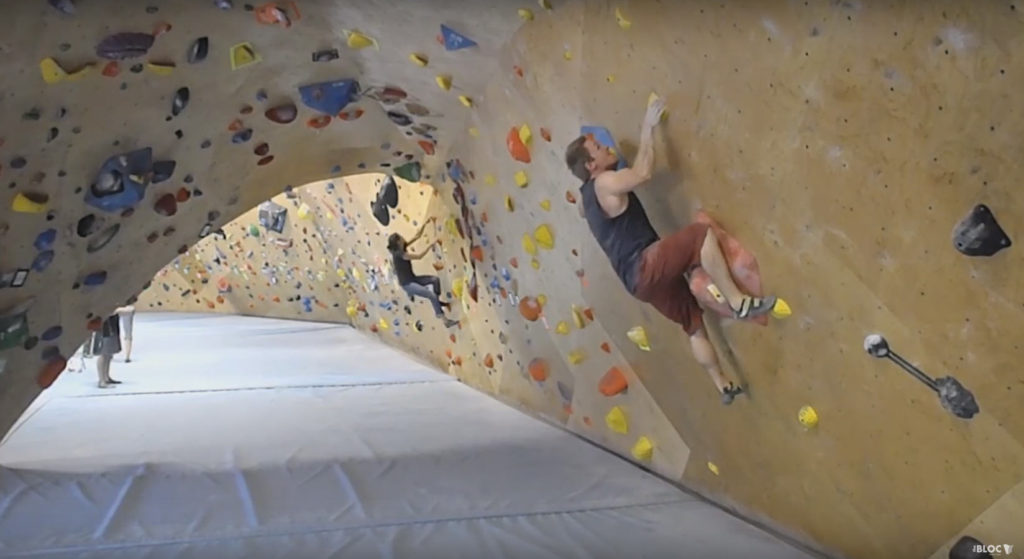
<point x="979" y="234"/>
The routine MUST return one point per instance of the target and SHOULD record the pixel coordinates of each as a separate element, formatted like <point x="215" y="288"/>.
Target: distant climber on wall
<point x="653" y="269"/>
<point x="428" y="287"/>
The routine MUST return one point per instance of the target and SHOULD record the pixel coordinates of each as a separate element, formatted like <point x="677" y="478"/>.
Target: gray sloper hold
<point x="180" y="101"/>
<point x="199" y="50"/>
<point x="121" y="46"/>
<point x="101" y="240"/>
<point x="979" y="234"/>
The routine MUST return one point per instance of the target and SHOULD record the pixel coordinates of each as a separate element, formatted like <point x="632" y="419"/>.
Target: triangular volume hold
<point x="453" y="40"/>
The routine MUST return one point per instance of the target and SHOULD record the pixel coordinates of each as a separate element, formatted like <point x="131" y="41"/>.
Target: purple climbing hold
<point x="52" y="333"/>
<point x="223" y="4"/>
<point x="122" y="46"/>
<point x="95" y="278"/>
<point x="44" y="241"/>
<point x="64" y="6"/>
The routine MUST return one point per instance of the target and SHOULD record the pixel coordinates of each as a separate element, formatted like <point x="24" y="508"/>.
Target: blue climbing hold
<point x="42" y="260"/>
<point x="95" y="278"/>
<point x="494" y="284"/>
<point x="603" y="137"/>
<point x="44" y="241"/>
<point x="52" y="333"/>
<point x="329" y="97"/>
<point x="336" y="169"/>
<point x="453" y="40"/>
<point x="121" y="182"/>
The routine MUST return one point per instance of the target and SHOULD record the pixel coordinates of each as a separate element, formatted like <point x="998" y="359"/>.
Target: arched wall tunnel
<point x="839" y="142"/>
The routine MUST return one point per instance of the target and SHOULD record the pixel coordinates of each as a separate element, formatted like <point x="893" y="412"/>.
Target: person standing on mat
<point x="428" y="287"/>
<point x="127" y="315"/>
<point x="655" y="270"/>
<point x="106" y="343"/>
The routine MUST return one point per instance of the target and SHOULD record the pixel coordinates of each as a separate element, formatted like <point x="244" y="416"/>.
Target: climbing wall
<point x="865" y="153"/>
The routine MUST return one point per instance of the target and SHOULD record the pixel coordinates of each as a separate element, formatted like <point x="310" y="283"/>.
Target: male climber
<point x="655" y="270"/>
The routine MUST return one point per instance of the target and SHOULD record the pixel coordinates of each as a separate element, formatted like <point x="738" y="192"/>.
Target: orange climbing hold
<point x="530" y="308"/>
<point x="613" y="382"/>
<point x="220" y="299"/>
<point x="519" y="71"/>
<point x="273" y="14"/>
<point x="538" y="369"/>
<point x="514" y="262"/>
<point x="319" y="121"/>
<point x="606" y="347"/>
<point x="183" y="195"/>
<point x="161" y="28"/>
<point x="236" y="125"/>
<point x="546" y="134"/>
<point x="111" y="69"/>
<point x="428" y="147"/>
<point x="477" y="253"/>
<point x="569" y="197"/>
<point x="488" y="361"/>
<point x="265" y="160"/>
<point x="50" y="371"/>
<point x="350" y="115"/>
<point x="516" y="148"/>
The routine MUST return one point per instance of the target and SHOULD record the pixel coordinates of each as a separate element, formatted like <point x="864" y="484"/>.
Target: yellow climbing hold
<point x="54" y="73"/>
<point x="542" y="299"/>
<point x="525" y="135"/>
<point x="713" y="468"/>
<point x="545" y="205"/>
<point x="443" y="81"/>
<point x="509" y="204"/>
<point x="616" y="420"/>
<point x="449" y="224"/>
<point x="242" y="55"/>
<point x="356" y="275"/>
<point x="29" y="204"/>
<point x="418" y="59"/>
<point x="465" y="100"/>
<point x="383" y="323"/>
<point x="525" y="14"/>
<point x="638" y="336"/>
<point x="567" y="55"/>
<point x="490" y="180"/>
<point x="522" y="179"/>
<point x="474" y="131"/>
<point x="544" y="4"/>
<point x="577" y="356"/>
<point x="578" y="318"/>
<point x="535" y="264"/>
<point x="562" y="327"/>
<point x="807" y="416"/>
<point x="781" y="309"/>
<point x="643" y="449"/>
<point x="357" y="40"/>
<point x="610" y="78"/>
<point x="457" y="287"/>
<point x="351" y="308"/>
<point x="545" y="238"/>
<point x="623" y="22"/>
<point x="528" y="245"/>
<point x="304" y="211"/>
<point x="160" y="68"/>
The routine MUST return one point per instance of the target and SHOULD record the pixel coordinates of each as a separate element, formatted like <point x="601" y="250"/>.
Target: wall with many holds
<point x="865" y="153"/>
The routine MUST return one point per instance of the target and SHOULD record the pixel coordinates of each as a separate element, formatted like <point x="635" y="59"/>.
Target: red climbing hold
<point x="262" y="149"/>
<point x="606" y="347"/>
<point x="50" y="371"/>
<point x="318" y="122"/>
<point x="538" y="369"/>
<point x="183" y="195"/>
<point x="266" y="160"/>
<point x="428" y="147"/>
<point x="516" y="148"/>
<point x="477" y="253"/>
<point x="166" y="205"/>
<point x="111" y="69"/>
<point x="546" y="134"/>
<point x="350" y="115"/>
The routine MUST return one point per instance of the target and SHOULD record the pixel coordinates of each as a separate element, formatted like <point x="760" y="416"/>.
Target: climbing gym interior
<point x="235" y="171"/>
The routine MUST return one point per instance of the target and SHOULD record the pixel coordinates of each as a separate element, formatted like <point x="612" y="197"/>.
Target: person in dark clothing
<point x="428" y="287"/>
<point x="106" y="343"/>
<point x="654" y="269"/>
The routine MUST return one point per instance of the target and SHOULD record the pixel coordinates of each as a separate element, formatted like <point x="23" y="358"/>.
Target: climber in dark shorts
<point x="428" y="287"/>
<point x="655" y="270"/>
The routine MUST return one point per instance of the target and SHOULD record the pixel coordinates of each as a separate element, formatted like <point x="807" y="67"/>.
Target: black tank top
<point x="623" y="237"/>
<point x="403" y="267"/>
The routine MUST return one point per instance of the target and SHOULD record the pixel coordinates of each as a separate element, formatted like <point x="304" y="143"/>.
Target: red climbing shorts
<point x="662" y="281"/>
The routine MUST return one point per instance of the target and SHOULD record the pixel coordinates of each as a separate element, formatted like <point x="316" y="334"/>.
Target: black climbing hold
<point x="152" y="9"/>
<point x="124" y="86"/>
<point x="98" y="242"/>
<point x="979" y="234"/>
<point x="62" y="173"/>
<point x="212" y="215"/>
<point x="189" y="179"/>
<point x="61" y="113"/>
<point x="122" y="46"/>
<point x="399" y="118"/>
<point x="64" y="6"/>
<point x="261" y="95"/>
<point x="380" y="211"/>
<point x="196" y="192"/>
<point x="76" y="130"/>
<point x="180" y="101"/>
<point x="52" y="333"/>
<point x="162" y="170"/>
<point x="64" y="47"/>
<point x="87" y="225"/>
<point x="179" y="134"/>
<point x="242" y="136"/>
<point x="42" y="260"/>
<point x="32" y="114"/>
<point x="206" y="144"/>
<point x="136" y="69"/>
<point x="199" y="49"/>
<point x="389" y="192"/>
<point x="30" y="342"/>
<point x="326" y="55"/>
<point x="18" y="162"/>
<point x="52" y="135"/>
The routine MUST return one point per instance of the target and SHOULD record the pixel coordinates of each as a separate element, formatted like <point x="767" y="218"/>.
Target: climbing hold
<point x="577" y="356"/>
<point x="162" y="171"/>
<point x="546" y="134"/>
<point x="242" y="55"/>
<point x="242" y="136"/>
<point x="781" y="309"/>
<point x="330" y="97"/>
<point x="418" y="59"/>
<point x="454" y="40"/>
<point x="621" y="19"/>
<point x="66" y="7"/>
<point x="616" y="420"/>
<point x="516" y="146"/>
<point x="410" y="171"/>
<point x="544" y="4"/>
<point x="42" y="260"/>
<point x="111" y="69"/>
<point x="638" y="336"/>
<point x="606" y="347"/>
<point x="577" y="317"/>
<point x="528" y="245"/>
<point x="282" y="114"/>
<point x="509" y="203"/>
<point x="613" y="382"/>
<point x="428" y="147"/>
<point x="166" y="205"/>
<point x="160" y="68"/>
<point x="490" y="180"/>
<point x="807" y="416"/>
<point x="530" y="308"/>
<point x="356" y="40"/>
<point x="30" y="202"/>
<point x="545" y="238"/>
<point x="199" y="50"/>
<point x="103" y="239"/>
<point x="522" y="180"/>
<point x="88" y="225"/>
<point x="643" y="450"/>
<point x="443" y="81"/>
<point x="95" y="278"/>
<point x="525" y="14"/>
<point x="51" y="370"/>
<point x="182" y="195"/>
<point x="562" y="327"/>
<point x="53" y="73"/>
<point x="44" y="240"/>
<point x="351" y="115"/>
<point x="51" y="333"/>
<point x="474" y="131"/>
<point x="122" y="46"/>
<point x="180" y="101"/>
<point x="265" y="161"/>
<point x="399" y="118"/>
<point x="262" y="149"/>
<point x="538" y="369"/>
<point x="713" y="468"/>
<point x="465" y="100"/>
<point x="567" y="54"/>
<point x="326" y="55"/>
<point x="979" y="234"/>
<point x="488" y="361"/>
<point x="569" y="197"/>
